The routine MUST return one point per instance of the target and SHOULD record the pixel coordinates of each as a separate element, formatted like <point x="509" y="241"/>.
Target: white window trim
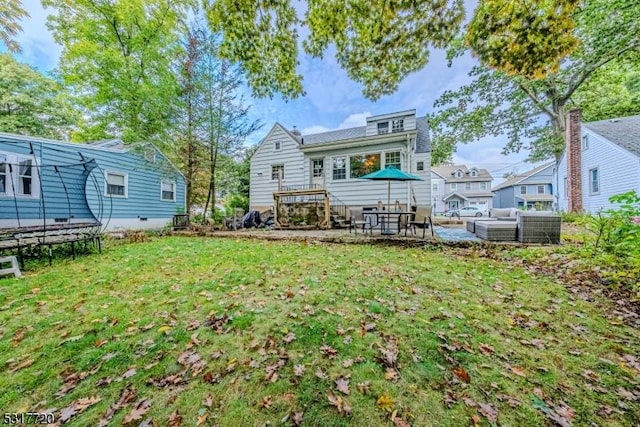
<point x="543" y="189"/>
<point x="525" y="190"/>
<point x="282" y="169"/>
<point x="277" y="145"/>
<point x="584" y="142"/>
<point x="346" y="168"/>
<point x="126" y="184"/>
<point x="454" y="186"/>
<point x="591" y="180"/>
<point x="13" y="176"/>
<point x="172" y="182"/>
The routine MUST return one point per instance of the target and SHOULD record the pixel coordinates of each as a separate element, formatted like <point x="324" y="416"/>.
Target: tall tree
<point x="11" y="12"/>
<point x="531" y="112"/>
<point x="378" y="42"/>
<point x="117" y="56"/>
<point x="226" y="123"/>
<point x="33" y="104"/>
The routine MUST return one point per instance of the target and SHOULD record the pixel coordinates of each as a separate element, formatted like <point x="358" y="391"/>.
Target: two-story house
<point x="336" y="160"/>
<point x="462" y="186"/>
<point x="529" y="190"/>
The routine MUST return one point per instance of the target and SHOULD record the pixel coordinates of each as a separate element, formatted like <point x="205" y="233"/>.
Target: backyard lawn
<point x="204" y="331"/>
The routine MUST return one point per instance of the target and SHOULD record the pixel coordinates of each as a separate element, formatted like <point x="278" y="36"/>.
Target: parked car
<point x="466" y="211"/>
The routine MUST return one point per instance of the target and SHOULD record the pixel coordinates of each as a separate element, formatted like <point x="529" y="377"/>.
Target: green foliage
<point x="33" y="104"/>
<point x="531" y="112"/>
<point x="526" y="38"/>
<point x="571" y="217"/>
<point x="237" y="201"/>
<point x="11" y="12"/>
<point x="378" y="42"/>
<point x="117" y="59"/>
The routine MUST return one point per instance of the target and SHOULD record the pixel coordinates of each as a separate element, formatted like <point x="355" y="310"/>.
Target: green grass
<point x="145" y="304"/>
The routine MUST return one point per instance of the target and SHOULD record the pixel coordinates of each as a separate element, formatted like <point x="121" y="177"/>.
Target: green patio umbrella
<point x="390" y="173"/>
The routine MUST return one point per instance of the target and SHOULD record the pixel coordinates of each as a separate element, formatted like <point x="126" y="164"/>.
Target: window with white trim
<point x="25" y="177"/>
<point x="277" y="145"/>
<point x="454" y="186"/>
<point x="483" y="185"/>
<point x="392" y="159"/>
<point x="474" y="172"/>
<point x="420" y="166"/>
<point x="397" y="125"/>
<point x="458" y="173"/>
<point x="594" y="181"/>
<point x="434" y="187"/>
<point x="339" y="168"/>
<point x="168" y="190"/>
<point x="523" y="189"/>
<point x="116" y="184"/>
<point x="467" y="186"/>
<point x="540" y="189"/>
<point x="19" y="176"/>
<point x="277" y="171"/>
<point x="566" y="188"/>
<point x="4" y="172"/>
<point x="383" y="127"/>
<point x="585" y="142"/>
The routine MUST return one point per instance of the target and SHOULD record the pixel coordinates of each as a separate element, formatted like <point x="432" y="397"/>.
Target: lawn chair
<point x="422" y="218"/>
<point x="358" y="219"/>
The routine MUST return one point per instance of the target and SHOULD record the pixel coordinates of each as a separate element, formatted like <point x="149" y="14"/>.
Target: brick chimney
<point x="574" y="160"/>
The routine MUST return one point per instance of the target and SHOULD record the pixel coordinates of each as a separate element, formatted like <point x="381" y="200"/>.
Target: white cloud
<point x="355" y="120"/>
<point x="38" y="47"/>
<point x="314" y="129"/>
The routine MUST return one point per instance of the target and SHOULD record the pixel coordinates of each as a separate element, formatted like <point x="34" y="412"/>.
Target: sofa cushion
<point x="503" y="213"/>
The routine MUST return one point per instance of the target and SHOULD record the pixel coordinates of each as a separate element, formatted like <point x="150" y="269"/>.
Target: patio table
<point x="386" y="218"/>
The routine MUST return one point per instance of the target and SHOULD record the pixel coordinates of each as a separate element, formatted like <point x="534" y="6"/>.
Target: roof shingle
<point x="623" y="131"/>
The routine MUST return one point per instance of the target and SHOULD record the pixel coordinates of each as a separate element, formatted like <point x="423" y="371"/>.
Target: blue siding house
<point x="530" y="190"/>
<point x="46" y="182"/>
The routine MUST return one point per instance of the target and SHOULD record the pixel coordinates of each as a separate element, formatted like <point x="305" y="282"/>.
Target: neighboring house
<point x="52" y="182"/>
<point x="437" y="193"/>
<point x="602" y="159"/>
<point x="529" y="190"/>
<point x="336" y="160"/>
<point x="462" y="187"/>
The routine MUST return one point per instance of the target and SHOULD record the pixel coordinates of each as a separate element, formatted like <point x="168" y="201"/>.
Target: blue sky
<point x="332" y="100"/>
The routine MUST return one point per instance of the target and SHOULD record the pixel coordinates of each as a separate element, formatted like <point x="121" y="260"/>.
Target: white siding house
<point x="335" y="160"/>
<point x="610" y="163"/>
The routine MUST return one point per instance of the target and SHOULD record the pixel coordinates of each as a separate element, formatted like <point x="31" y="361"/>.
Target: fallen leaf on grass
<point x="385" y="402"/>
<point x="297" y="419"/>
<point x="391" y="374"/>
<point x="518" y="371"/>
<point x="127" y="396"/>
<point x="298" y="370"/>
<point x="462" y="374"/>
<point x="266" y="402"/>
<point x="329" y="351"/>
<point x="175" y="419"/>
<point x="485" y="349"/>
<point x="24" y="364"/>
<point x="208" y="401"/>
<point x="77" y="407"/>
<point x="130" y="372"/>
<point x="341" y="405"/>
<point x="320" y="374"/>
<point x="347" y="363"/>
<point x="342" y="384"/>
<point x="364" y="387"/>
<point x="561" y="414"/>
<point x="140" y="409"/>
<point x="100" y="343"/>
<point x="488" y="411"/>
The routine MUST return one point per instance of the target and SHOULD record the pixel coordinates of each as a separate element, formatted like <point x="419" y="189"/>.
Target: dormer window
<point x="474" y="172"/>
<point x="458" y="173"/>
<point x="383" y="127"/>
<point x="397" y="125"/>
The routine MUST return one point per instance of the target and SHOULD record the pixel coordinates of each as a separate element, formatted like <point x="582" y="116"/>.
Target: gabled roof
<point x="423" y="140"/>
<point x="448" y="171"/>
<point x="515" y="180"/>
<point x="623" y="131"/>
<point x="454" y="194"/>
<point x="335" y="135"/>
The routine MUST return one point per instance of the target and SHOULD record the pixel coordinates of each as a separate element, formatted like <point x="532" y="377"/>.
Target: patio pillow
<point x="503" y="213"/>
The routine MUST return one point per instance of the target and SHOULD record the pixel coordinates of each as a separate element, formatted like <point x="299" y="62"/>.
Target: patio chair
<point x="421" y="218"/>
<point x="358" y="219"/>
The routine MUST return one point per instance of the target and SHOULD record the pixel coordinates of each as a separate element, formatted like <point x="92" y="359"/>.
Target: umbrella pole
<point x="388" y="204"/>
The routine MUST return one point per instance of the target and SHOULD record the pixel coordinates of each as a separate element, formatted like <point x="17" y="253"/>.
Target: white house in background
<point x="532" y="189"/>
<point x="459" y="186"/>
<point x="336" y="160"/>
<point x="608" y="158"/>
